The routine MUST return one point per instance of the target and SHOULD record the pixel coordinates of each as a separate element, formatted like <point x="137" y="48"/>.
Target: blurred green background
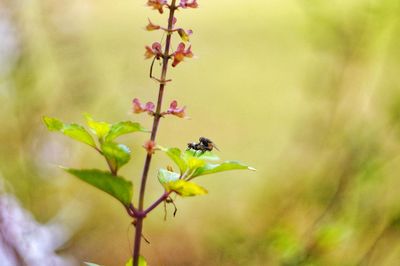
<point x="306" y="91"/>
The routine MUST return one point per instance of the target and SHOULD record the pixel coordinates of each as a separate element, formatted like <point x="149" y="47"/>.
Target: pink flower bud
<point x="150" y="146"/>
<point x="188" y="4"/>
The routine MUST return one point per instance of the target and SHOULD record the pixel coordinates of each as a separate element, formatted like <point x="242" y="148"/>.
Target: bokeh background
<point x="306" y="91"/>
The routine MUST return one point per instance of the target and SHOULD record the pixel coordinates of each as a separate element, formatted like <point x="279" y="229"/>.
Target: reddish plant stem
<point x="157" y="202"/>
<point x="157" y="116"/>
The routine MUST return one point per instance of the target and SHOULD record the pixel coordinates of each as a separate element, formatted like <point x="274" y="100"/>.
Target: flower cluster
<point x="175" y="110"/>
<point x="157" y="5"/>
<point x="141" y="108"/>
<point x="149" y="107"/>
<point x="160" y="4"/>
<point x="155" y="51"/>
<point x="181" y="53"/>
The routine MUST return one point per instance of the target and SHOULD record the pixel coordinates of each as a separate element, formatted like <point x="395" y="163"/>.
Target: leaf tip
<point x="251" y="168"/>
<point x="52" y="124"/>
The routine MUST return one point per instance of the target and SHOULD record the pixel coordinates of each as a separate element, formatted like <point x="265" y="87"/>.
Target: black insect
<point x="203" y="145"/>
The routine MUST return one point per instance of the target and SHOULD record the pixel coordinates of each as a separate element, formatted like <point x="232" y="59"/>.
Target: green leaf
<point x="176" y="155"/>
<point x="116" y="186"/>
<point x="225" y="166"/>
<point x="142" y="262"/>
<point x="206" y="156"/>
<point x="185" y="188"/>
<point x="195" y="163"/>
<point x="165" y="176"/>
<point x="79" y="133"/>
<point x="101" y="129"/>
<point x="117" y="154"/>
<point x="53" y="124"/>
<point x="73" y="131"/>
<point x="122" y="128"/>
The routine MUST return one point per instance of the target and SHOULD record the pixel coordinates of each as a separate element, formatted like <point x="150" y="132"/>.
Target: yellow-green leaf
<point x="116" y="186"/>
<point x="185" y="188"/>
<point x="225" y="166"/>
<point x="165" y="176"/>
<point x="122" y="128"/>
<point x="53" y="124"/>
<point x="117" y="154"/>
<point x="73" y="131"/>
<point x="194" y="163"/>
<point x="99" y="128"/>
<point x="142" y="262"/>
<point x="206" y="156"/>
<point x="175" y="155"/>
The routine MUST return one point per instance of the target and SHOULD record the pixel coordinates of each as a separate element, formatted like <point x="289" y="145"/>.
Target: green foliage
<point x="171" y="182"/>
<point x="176" y="155"/>
<point x="206" y="156"/>
<point x="100" y="129"/>
<point x="73" y="131"/>
<point x="192" y="164"/>
<point x="216" y="168"/>
<point x="122" y="128"/>
<point x="142" y="262"/>
<point x="116" y="186"/>
<point x="116" y="154"/>
<point x="184" y="188"/>
<point x="104" y="131"/>
<point x="165" y="176"/>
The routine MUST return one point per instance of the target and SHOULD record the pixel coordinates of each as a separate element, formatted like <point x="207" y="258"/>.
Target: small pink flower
<point x="154" y="50"/>
<point x="157" y="4"/>
<point x="141" y="108"/>
<point x="150" y="146"/>
<point x="175" y="110"/>
<point x="181" y="53"/>
<point x="151" y="26"/>
<point x="188" y="4"/>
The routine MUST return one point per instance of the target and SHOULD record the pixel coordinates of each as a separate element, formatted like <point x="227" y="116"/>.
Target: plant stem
<point x="157" y="202"/>
<point x="157" y="116"/>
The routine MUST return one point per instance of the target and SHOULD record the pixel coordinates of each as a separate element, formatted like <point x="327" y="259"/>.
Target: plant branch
<point x="157" y="116"/>
<point x="157" y="202"/>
